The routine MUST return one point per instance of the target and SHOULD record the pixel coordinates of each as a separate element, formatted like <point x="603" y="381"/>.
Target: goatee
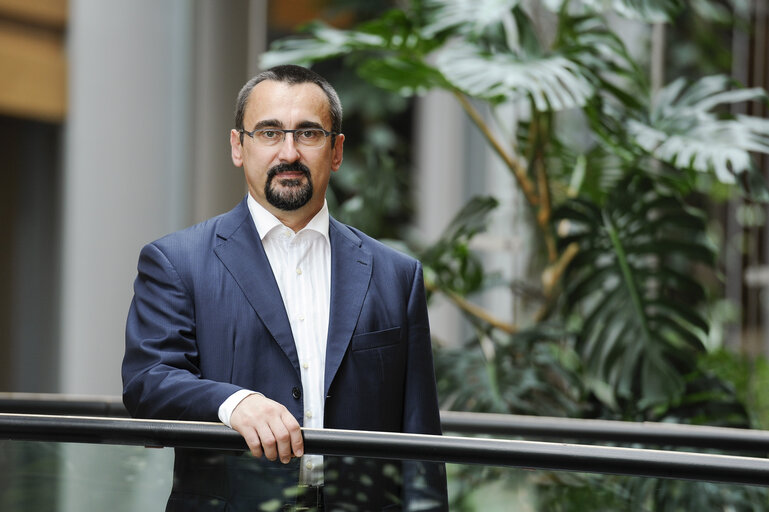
<point x="293" y="193"/>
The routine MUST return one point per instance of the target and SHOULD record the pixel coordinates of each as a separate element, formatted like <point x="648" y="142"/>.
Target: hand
<point x="268" y="427"/>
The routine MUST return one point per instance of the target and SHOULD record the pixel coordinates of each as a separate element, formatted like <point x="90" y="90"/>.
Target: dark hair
<point x="291" y="75"/>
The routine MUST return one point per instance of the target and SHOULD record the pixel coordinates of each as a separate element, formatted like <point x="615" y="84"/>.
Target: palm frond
<point x="325" y="42"/>
<point x="467" y="17"/>
<point x="552" y="83"/>
<point x="630" y="285"/>
<point x="651" y="11"/>
<point x="685" y="129"/>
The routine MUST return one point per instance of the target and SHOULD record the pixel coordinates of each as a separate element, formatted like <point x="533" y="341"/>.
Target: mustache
<point x="292" y="166"/>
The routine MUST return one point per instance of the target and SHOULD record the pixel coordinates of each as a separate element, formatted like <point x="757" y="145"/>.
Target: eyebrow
<point x="274" y="123"/>
<point x="268" y="123"/>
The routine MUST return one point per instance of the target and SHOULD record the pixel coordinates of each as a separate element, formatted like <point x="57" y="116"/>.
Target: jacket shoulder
<point x="379" y="250"/>
<point x="203" y="234"/>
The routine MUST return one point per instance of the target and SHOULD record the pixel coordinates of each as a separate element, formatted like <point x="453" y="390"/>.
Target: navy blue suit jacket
<point x="207" y="319"/>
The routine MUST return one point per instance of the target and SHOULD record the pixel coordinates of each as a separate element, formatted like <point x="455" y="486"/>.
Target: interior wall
<point x="32" y="106"/>
<point x="29" y="270"/>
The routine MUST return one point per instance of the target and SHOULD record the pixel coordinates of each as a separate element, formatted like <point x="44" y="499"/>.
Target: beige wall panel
<point x="33" y="73"/>
<point x="44" y="12"/>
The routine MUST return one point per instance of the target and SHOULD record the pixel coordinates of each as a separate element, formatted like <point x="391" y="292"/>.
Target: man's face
<point x="287" y="177"/>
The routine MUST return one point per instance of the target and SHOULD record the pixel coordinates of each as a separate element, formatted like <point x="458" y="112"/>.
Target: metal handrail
<point x="645" y="432"/>
<point x="68" y="405"/>
<point x="386" y="445"/>
<point x="508" y="425"/>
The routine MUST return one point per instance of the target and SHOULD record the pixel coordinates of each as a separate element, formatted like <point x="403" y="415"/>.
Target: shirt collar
<point x="266" y="222"/>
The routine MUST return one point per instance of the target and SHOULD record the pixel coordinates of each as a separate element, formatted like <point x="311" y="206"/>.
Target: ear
<point x="237" y="148"/>
<point x="336" y="155"/>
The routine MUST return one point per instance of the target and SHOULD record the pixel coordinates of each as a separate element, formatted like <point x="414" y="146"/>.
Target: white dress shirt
<point x="301" y="263"/>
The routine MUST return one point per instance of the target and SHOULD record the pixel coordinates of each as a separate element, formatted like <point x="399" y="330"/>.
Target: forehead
<point x="289" y="104"/>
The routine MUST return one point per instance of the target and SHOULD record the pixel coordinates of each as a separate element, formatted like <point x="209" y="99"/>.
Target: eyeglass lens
<point x="310" y="137"/>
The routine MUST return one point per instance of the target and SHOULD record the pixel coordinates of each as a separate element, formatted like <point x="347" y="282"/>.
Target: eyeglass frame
<point x="284" y="131"/>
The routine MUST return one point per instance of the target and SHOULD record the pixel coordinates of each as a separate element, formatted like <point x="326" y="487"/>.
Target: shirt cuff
<point x="228" y="406"/>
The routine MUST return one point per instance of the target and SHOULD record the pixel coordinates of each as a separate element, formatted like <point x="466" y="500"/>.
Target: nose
<point x="288" y="151"/>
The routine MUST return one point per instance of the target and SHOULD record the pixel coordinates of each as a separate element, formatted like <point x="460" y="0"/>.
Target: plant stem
<point x="544" y="211"/>
<point x="627" y="274"/>
<point x="552" y="275"/>
<point x="471" y="309"/>
<point x="515" y="166"/>
<point x="538" y="137"/>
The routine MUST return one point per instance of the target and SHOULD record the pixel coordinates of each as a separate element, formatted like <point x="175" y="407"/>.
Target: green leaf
<point x="551" y="83"/>
<point x="532" y="372"/>
<point x="687" y="129"/>
<point x="652" y="11"/>
<point x="449" y="261"/>
<point x="324" y="42"/>
<point x="629" y="282"/>
<point x="470" y="17"/>
<point x="400" y="74"/>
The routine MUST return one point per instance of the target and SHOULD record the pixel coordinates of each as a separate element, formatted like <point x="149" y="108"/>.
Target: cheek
<point x="255" y="175"/>
<point x="257" y="165"/>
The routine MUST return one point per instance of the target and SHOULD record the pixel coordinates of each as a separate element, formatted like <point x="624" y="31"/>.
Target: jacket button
<point x="296" y="393"/>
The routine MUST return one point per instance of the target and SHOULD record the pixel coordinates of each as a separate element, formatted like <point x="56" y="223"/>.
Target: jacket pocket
<point x="376" y="339"/>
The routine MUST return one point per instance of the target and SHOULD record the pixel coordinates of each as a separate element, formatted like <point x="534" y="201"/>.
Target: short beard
<point x="293" y="194"/>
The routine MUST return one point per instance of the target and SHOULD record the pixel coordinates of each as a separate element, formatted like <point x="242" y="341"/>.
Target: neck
<point x="294" y="219"/>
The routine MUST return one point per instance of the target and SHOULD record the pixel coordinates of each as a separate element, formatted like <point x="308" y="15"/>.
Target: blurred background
<point x="585" y="182"/>
<point x="114" y="121"/>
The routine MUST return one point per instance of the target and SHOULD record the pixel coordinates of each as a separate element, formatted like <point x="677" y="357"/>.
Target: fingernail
<point x="298" y="453"/>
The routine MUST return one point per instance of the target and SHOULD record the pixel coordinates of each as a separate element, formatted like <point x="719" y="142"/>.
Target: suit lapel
<point x="241" y="251"/>
<point x="351" y="267"/>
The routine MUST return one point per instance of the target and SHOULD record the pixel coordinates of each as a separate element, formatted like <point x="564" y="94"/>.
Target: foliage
<point x="370" y="192"/>
<point x="621" y="329"/>
<point x="749" y="375"/>
<point x="610" y="493"/>
<point x="531" y="372"/>
<point x="450" y="263"/>
<point x="629" y="283"/>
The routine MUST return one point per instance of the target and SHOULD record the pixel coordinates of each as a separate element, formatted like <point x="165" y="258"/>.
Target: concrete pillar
<point x="152" y="92"/>
<point x="439" y="193"/>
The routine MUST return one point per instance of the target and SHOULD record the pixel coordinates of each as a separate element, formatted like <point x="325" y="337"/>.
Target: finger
<point x="295" y="433"/>
<point x="283" y="440"/>
<point x="267" y="441"/>
<point x="252" y="440"/>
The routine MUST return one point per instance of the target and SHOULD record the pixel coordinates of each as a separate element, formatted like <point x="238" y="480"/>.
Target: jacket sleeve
<point x="424" y="482"/>
<point x="161" y="374"/>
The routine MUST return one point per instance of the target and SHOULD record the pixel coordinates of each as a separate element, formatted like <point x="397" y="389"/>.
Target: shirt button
<point x="308" y="414"/>
<point x="305" y="365"/>
<point x="308" y="465"/>
<point x="296" y="393"/>
<point x="301" y="318"/>
<point x="298" y="271"/>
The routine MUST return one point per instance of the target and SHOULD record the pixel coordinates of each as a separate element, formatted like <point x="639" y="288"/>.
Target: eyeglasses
<point x="308" y="137"/>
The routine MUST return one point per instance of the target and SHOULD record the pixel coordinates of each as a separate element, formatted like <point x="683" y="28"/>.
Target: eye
<point x="310" y="135"/>
<point x="269" y="134"/>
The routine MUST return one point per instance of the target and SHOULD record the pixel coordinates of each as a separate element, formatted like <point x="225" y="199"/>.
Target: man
<point x="275" y="315"/>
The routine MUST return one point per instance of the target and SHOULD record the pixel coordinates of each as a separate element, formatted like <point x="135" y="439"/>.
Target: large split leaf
<point x="552" y="82"/>
<point x="632" y="284"/>
<point x="688" y="128"/>
<point x="467" y="17"/>
<point x="653" y="11"/>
